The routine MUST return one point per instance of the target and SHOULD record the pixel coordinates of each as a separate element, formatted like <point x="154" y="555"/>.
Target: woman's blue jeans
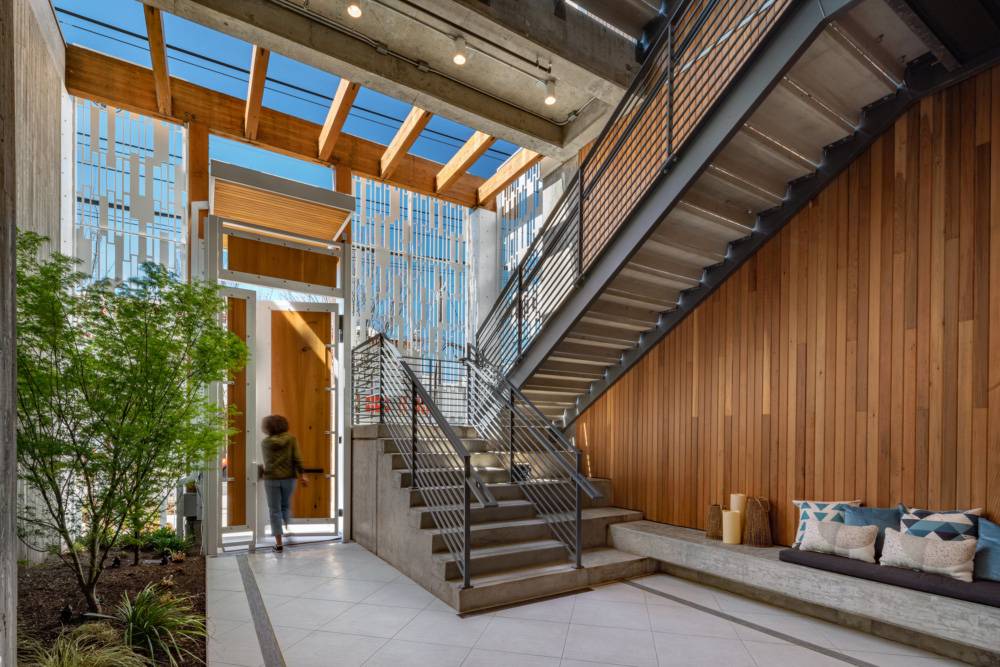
<point x="279" y="502"/>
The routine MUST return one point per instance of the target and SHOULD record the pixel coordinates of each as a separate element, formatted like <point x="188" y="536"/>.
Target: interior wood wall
<point x="856" y="355"/>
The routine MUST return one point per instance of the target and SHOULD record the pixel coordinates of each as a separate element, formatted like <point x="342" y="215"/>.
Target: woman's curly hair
<point x="274" y="425"/>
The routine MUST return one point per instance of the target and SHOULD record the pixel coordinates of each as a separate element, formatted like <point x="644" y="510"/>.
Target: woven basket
<point x="757" y="529"/>
<point x="714" y="530"/>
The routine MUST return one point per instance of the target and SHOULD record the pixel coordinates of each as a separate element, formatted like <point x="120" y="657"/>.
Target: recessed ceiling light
<point x="550" y="92"/>
<point x="354" y="9"/>
<point x="459" y="57"/>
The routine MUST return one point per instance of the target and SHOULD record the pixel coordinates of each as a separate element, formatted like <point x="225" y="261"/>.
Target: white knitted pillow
<point x="951" y="559"/>
<point x="827" y="537"/>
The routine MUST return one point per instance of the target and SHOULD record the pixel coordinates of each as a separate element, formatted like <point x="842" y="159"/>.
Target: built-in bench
<point x="955" y="628"/>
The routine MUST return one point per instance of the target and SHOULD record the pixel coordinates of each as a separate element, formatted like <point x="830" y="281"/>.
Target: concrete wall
<point x="43" y="125"/>
<point x="484" y="267"/>
<point x="8" y="466"/>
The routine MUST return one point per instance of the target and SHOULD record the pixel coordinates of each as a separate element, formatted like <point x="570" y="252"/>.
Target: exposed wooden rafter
<point x="510" y="171"/>
<point x="411" y="128"/>
<point x="102" y="78"/>
<point x="466" y="156"/>
<point x="341" y="106"/>
<point x="255" y="91"/>
<point x="158" y="54"/>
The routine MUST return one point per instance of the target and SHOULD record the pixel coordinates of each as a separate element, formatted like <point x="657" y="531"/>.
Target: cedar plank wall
<point x="856" y="355"/>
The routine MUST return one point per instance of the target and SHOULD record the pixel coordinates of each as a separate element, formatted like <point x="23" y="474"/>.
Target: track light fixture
<point x="550" y="92"/>
<point x="459" y="56"/>
<point x="354" y="9"/>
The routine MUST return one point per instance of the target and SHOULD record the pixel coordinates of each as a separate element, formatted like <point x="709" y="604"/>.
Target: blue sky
<point x="217" y="61"/>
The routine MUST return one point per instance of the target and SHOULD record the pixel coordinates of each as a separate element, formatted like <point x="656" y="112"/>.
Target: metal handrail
<point x="538" y="457"/>
<point x="702" y="50"/>
<point x="440" y="466"/>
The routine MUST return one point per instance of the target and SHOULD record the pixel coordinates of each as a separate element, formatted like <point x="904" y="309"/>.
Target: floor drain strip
<point x="269" y="648"/>
<point x="753" y="626"/>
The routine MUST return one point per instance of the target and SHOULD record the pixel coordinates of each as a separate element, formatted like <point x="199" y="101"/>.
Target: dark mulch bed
<point x="44" y="589"/>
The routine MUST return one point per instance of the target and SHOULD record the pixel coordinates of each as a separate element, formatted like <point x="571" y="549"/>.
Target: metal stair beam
<point x="921" y="82"/>
<point x="769" y="65"/>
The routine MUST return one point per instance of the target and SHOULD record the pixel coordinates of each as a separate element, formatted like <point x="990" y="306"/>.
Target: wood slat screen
<point x="856" y="355"/>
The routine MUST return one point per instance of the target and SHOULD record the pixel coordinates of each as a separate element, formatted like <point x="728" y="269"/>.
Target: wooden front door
<point x="301" y="390"/>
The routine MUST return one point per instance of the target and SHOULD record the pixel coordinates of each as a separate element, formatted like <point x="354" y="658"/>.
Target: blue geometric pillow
<point x="820" y="511"/>
<point x="988" y="552"/>
<point x="944" y="526"/>
<point x="883" y="517"/>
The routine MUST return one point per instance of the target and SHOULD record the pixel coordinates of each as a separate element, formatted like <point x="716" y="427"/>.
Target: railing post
<point x="510" y="439"/>
<point x="467" y="526"/>
<point x="520" y="312"/>
<point x="413" y="435"/>
<point x="579" y="227"/>
<point x="379" y="394"/>
<point x="579" y="513"/>
<point x="670" y="87"/>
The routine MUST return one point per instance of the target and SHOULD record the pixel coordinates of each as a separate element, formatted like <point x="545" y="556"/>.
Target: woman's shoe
<point x="278" y="547"/>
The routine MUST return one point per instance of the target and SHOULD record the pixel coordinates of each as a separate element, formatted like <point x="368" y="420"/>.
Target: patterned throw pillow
<point x="813" y="509"/>
<point x="829" y="537"/>
<point x="950" y="558"/>
<point x="945" y="526"/>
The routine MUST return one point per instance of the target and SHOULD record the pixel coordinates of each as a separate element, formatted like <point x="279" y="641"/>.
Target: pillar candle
<point x="731" y="527"/>
<point x="738" y="503"/>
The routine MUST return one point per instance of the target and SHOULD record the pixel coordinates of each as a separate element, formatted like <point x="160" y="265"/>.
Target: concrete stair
<point x="514" y="554"/>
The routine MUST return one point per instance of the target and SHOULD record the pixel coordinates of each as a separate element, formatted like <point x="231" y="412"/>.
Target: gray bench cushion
<point x="980" y="591"/>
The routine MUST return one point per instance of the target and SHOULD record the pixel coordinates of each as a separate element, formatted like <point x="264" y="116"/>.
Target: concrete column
<point x="8" y="387"/>
<point x="484" y="267"/>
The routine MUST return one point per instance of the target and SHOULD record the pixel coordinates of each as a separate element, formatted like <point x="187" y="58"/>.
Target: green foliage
<point x="89" y="645"/>
<point x="111" y="396"/>
<point x="161" y="625"/>
<point x="167" y="539"/>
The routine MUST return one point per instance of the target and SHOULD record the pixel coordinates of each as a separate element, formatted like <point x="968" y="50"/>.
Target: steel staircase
<point x="480" y="498"/>
<point x="743" y="111"/>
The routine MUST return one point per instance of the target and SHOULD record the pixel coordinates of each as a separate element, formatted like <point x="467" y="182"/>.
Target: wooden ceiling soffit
<point x="105" y="79"/>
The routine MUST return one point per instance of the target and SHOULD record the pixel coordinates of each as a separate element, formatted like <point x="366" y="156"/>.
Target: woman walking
<point x="282" y="466"/>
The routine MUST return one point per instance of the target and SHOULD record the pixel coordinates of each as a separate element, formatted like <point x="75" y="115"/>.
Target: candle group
<point x="738" y="503"/>
<point x="732" y="526"/>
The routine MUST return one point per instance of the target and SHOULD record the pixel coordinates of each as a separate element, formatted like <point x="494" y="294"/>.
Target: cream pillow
<point x="951" y="559"/>
<point x="821" y="511"/>
<point x="827" y="537"/>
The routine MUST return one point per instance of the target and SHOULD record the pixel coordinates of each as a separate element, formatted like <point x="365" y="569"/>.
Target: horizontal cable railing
<point x="704" y="46"/>
<point x="388" y="392"/>
<point x="538" y="457"/>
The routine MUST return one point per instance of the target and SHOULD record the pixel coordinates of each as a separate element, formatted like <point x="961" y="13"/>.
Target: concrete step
<point x="506" y="510"/>
<point x="504" y="491"/>
<point x="474" y="445"/>
<point x="600" y="565"/>
<point x="488" y="475"/>
<point x="450" y="461"/>
<point x="503" y="557"/>
<point x="595" y="529"/>
<point x="379" y="431"/>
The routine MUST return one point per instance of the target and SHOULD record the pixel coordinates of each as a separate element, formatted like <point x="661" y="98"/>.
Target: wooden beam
<point x="255" y="91"/>
<point x="509" y="171"/>
<point x="411" y="128"/>
<point x="466" y="156"/>
<point x="158" y="54"/>
<point x="343" y="182"/>
<point x="101" y="78"/>
<point x="341" y="106"/>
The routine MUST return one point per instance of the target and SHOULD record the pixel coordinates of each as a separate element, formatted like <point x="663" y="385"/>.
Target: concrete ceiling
<point x="404" y="48"/>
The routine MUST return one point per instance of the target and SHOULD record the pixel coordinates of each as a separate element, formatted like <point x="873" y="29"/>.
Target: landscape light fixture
<point x="550" y="92"/>
<point x="459" y="56"/>
<point x="354" y="9"/>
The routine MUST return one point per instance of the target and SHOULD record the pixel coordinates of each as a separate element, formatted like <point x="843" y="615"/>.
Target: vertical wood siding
<point x="856" y="355"/>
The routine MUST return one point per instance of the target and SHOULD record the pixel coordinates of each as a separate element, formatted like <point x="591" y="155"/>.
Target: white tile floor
<point x="340" y="605"/>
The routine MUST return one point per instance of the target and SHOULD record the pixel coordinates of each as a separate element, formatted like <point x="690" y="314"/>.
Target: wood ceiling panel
<point x="260" y="207"/>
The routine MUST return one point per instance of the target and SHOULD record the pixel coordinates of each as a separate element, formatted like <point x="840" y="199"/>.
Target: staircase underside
<point x="854" y="78"/>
